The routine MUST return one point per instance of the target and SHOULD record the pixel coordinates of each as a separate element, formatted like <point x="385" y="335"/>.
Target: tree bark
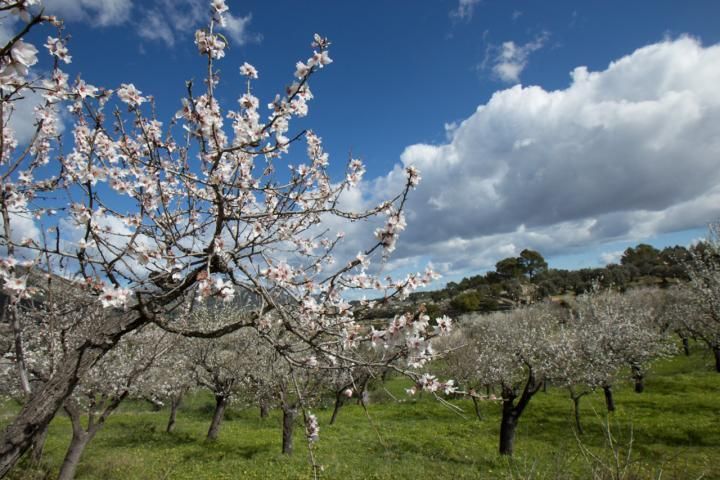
<point x="174" y="405"/>
<point x="37" y="413"/>
<point x="19" y="352"/>
<point x="609" y="400"/>
<point x="220" y="404"/>
<point x="716" y="351"/>
<point x="686" y="346"/>
<point x="38" y="445"/>
<point x="79" y="441"/>
<point x="338" y="405"/>
<point x="511" y="411"/>
<point x="264" y="409"/>
<point x="508" y="424"/>
<point x="288" y="425"/>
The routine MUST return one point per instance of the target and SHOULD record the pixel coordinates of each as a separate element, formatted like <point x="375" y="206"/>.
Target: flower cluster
<point x="210" y="44"/>
<point x="114" y="297"/>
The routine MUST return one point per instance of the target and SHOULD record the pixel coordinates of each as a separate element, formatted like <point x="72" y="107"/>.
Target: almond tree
<point x="702" y="316"/>
<point x="105" y="386"/>
<point x="225" y="366"/>
<point x="624" y="329"/>
<point x="150" y="214"/>
<point x="517" y="351"/>
<point x="169" y="380"/>
<point x="55" y="317"/>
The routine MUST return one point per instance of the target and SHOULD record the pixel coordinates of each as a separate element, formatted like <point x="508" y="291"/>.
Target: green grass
<point x="675" y="426"/>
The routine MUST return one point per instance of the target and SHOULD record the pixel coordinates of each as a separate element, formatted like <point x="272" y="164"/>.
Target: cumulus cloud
<point x="100" y="13"/>
<point x="623" y="153"/>
<point x="464" y="10"/>
<point x="509" y="59"/>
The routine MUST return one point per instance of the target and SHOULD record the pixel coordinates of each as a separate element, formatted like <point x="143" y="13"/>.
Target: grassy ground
<point x="674" y="426"/>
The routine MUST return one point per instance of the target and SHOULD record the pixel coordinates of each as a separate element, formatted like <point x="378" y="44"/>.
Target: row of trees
<point x="583" y="347"/>
<point x="586" y="346"/>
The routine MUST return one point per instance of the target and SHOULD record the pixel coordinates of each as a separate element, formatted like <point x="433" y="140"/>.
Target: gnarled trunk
<point x="264" y="409"/>
<point x="288" y="426"/>
<point x="511" y="411"/>
<point x="220" y="404"/>
<point x="609" y="400"/>
<point x="686" y="345"/>
<point x="508" y="424"/>
<point x="37" y="413"/>
<point x="716" y="351"/>
<point x="38" y="445"/>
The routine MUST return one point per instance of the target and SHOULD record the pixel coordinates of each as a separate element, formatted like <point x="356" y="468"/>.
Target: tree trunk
<point x="639" y="384"/>
<point x="639" y="378"/>
<point x="264" y="409"/>
<point x="37" y="413"/>
<point x="19" y="352"/>
<point x="576" y="406"/>
<point x="220" y="404"/>
<point x="38" y="445"/>
<point x="716" y="351"/>
<point x="686" y="346"/>
<point x="79" y="441"/>
<point x="288" y="425"/>
<point x="609" y="400"/>
<point x="174" y="405"/>
<point x="508" y="424"/>
<point x="338" y="404"/>
<point x="476" y="404"/>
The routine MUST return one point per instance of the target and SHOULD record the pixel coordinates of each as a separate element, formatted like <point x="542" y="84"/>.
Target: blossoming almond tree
<point x="108" y="383"/>
<point x="518" y="351"/>
<point x="150" y="214"/>
<point x="701" y="317"/>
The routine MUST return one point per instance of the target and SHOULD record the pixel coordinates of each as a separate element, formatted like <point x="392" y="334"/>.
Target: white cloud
<point x="623" y="153"/>
<point x="23" y="121"/>
<point x="607" y="258"/>
<point x="464" y="10"/>
<point x="509" y="60"/>
<point x="167" y="20"/>
<point x="159" y="20"/>
<point x="238" y="30"/>
<point x="101" y="13"/>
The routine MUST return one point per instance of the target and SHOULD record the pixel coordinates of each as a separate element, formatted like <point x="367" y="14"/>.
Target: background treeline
<point x="527" y="278"/>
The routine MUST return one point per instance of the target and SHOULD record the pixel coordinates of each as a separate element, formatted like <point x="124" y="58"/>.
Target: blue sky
<point x="406" y="85"/>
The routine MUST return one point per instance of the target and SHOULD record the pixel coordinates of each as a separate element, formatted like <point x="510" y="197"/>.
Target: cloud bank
<point x="623" y="153"/>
